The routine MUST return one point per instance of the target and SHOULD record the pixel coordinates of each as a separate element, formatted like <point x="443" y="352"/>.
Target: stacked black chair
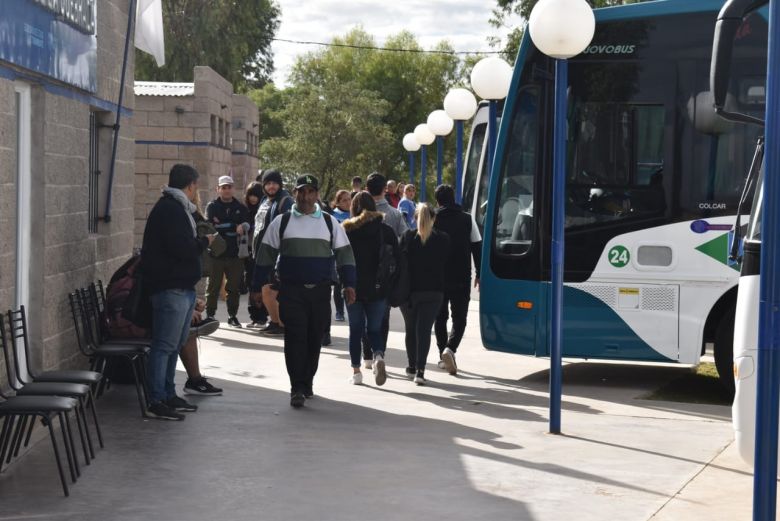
<point x="17" y="324"/>
<point x="19" y="413"/>
<point x="19" y="384"/>
<point x="99" y="353"/>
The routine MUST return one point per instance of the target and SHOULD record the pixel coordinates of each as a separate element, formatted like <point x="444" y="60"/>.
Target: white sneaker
<point x="356" y="378"/>
<point x="419" y="379"/>
<point x="368" y="364"/>
<point x="380" y="375"/>
<point x="441" y="365"/>
<point x="448" y="357"/>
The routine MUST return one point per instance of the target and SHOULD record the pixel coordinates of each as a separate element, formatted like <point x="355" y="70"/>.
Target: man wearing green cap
<point x="305" y="240"/>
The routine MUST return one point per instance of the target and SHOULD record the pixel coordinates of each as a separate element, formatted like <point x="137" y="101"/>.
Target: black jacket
<point x="426" y="260"/>
<point x="456" y="223"/>
<point x="363" y="233"/>
<point x="171" y="252"/>
<point x="226" y="217"/>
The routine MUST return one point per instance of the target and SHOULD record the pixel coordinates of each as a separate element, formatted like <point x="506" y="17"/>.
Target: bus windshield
<point x="644" y="147"/>
<point x="472" y="164"/>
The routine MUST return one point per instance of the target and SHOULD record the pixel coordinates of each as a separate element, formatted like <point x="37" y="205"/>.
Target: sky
<point x="463" y="22"/>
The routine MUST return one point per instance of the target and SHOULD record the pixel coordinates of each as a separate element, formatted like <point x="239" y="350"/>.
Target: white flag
<point x="149" y="29"/>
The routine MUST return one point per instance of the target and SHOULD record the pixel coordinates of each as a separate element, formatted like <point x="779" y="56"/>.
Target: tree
<point x="332" y="132"/>
<point x="233" y="37"/>
<point x="523" y="9"/>
<point x="412" y="83"/>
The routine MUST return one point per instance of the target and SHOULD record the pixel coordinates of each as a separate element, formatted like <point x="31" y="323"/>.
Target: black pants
<point x="458" y="301"/>
<point x="305" y="313"/>
<point x="368" y="351"/>
<point x="338" y="299"/>
<point x="419" y="315"/>
<point x="256" y="313"/>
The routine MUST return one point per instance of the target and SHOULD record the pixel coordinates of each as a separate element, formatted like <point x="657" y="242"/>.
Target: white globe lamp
<point x="491" y="78"/>
<point x="410" y="142"/>
<point x="441" y="125"/>
<point x="561" y="28"/>
<point x="424" y="135"/>
<point x="460" y="104"/>
<point x="411" y="145"/>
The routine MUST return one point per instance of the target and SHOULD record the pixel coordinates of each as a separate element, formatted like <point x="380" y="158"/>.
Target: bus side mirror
<point x="720" y="68"/>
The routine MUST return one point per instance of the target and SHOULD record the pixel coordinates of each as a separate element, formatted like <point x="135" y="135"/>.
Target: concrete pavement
<point x="468" y="447"/>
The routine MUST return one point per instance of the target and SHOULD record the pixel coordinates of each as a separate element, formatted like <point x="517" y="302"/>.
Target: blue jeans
<point x="171" y="316"/>
<point x="366" y="316"/>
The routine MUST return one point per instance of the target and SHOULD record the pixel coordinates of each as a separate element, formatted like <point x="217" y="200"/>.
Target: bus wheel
<point x="724" y="352"/>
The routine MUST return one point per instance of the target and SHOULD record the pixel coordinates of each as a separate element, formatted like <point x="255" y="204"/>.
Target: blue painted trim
<point x="657" y="8"/>
<point x="59" y="90"/>
<point x="175" y="143"/>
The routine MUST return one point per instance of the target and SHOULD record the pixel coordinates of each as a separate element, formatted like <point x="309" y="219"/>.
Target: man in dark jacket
<point x="465" y="243"/>
<point x="277" y="201"/>
<point x="230" y="218"/>
<point x="171" y="268"/>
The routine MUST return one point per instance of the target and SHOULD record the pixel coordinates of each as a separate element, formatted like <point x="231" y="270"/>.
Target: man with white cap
<point x="230" y="218"/>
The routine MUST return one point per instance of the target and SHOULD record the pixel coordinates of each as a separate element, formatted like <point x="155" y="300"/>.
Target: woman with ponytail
<point x="426" y="250"/>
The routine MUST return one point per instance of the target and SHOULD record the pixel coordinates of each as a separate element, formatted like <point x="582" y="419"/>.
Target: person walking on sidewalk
<point x="252" y="198"/>
<point x="427" y="250"/>
<point x="465" y="244"/>
<point x="341" y="209"/>
<point x="368" y="236"/>
<point x="376" y="184"/>
<point x="171" y="267"/>
<point x="229" y="217"/>
<point x="305" y="240"/>
<point x="407" y="206"/>
<point x="277" y="201"/>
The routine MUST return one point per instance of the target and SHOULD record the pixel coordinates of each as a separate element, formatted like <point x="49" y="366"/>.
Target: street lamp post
<point x="411" y="145"/>
<point x="560" y="29"/>
<point x="425" y="137"/>
<point x="490" y="79"/>
<point x="441" y="125"/>
<point x="460" y="105"/>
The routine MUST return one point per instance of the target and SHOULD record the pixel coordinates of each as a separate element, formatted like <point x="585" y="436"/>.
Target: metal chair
<point x="99" y="353"/>
<point x="22" y="387"/>
<point x="17" y="324"/>
<point x="16" y="410"/>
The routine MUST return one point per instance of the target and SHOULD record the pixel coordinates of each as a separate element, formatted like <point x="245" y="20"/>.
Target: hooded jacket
<point x="364" y="233"/>
<point x="267" y="211"/>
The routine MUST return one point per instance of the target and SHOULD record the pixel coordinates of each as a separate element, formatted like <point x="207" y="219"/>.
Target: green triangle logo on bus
<point x="718" y="249"/>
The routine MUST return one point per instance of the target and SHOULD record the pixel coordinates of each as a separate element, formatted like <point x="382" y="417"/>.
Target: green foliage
<point x="333" y="132"/>
<point x="347" y="108"/>
<point x="233" y="37"/>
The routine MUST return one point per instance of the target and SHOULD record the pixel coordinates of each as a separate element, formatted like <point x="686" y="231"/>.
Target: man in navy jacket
<point x="170" y="269"/>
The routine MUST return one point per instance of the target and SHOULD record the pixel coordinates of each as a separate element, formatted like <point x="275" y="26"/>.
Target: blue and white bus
<point x="653" y="183"/>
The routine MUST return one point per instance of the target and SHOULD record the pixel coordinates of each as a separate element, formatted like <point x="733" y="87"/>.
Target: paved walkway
<point x="461" y="448"/>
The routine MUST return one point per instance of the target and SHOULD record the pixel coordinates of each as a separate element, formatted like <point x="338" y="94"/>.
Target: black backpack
<point x="387" y="266"/>
<point x="401" y="286"/>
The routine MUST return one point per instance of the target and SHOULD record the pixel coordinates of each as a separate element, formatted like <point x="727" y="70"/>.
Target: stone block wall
<point x="246" y="122"/>
<point x="65" y="254"/>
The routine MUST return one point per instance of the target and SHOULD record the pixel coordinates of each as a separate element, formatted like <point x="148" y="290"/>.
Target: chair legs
<point x="49" y="423"/>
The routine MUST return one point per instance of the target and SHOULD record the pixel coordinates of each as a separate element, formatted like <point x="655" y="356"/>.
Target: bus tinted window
<point x="515" y="210"/>
<point x="618" y="160"/>
<point x="472" y="165"/>
<point x="482" y="195"/>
